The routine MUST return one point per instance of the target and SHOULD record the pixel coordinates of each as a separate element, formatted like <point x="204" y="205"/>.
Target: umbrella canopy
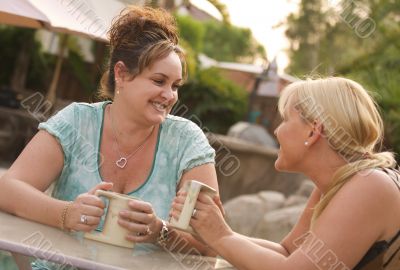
<point x="89" y="18"/>
<point x="21" y="13"/>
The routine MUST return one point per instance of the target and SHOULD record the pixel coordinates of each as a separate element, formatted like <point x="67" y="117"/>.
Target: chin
<point x="157" y="119"/>
<point x="280" y="167"/>
<point x="277" y="167"/>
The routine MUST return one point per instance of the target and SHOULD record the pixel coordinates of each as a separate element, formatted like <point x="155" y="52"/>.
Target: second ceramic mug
<point x="193" y="188"/>
<point x="112" y="232"/>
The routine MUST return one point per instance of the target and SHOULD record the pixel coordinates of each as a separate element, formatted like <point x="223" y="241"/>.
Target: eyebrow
<point x="166" y="76"/>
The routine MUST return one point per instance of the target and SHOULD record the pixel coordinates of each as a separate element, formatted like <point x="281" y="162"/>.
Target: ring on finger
<point x="84" y="219"/>
<point x="194" y="212"/>
<point x="147" y="232"/>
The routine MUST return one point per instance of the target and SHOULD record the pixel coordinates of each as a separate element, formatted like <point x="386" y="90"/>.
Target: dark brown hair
<point x="139" y="36"/>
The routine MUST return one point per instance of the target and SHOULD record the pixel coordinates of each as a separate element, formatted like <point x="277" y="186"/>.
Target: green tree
<point x="220" y="41"/>
<point x="35" y="67"/>
<point x="210" y="96"/>
<point x="191" y="31"/>
<point x="359" y="40"/>
<point x="305" y="31"/>
<point x="230" y="43"/>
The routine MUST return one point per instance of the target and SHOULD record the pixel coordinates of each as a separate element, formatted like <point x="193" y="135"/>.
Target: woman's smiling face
<point x="152" y="93"/>
<point x="291" y="134"/>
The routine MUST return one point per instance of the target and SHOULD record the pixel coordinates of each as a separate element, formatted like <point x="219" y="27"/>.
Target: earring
<point x="306" y="143"/>
<point x="117" y="87"/>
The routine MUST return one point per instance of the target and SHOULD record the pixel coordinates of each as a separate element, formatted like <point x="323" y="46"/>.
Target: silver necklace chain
<point x="123" y="160"/>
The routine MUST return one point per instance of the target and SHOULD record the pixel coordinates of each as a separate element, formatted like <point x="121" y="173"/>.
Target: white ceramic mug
<point x="193" y="188"/>
<point x="112" y="232"/>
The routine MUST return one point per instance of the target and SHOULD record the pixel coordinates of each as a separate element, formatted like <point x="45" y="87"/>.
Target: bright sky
<point x="260" y="16"/>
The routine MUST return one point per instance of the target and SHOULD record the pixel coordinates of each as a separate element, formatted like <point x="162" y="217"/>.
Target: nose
<point x="168" y="93"/>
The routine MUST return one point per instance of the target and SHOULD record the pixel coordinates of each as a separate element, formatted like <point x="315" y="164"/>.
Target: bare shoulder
<point x="359" y="214"/>
<point x="369" y="197"/>
<point x="373" y="182"/>
<point x="368" y="192"/>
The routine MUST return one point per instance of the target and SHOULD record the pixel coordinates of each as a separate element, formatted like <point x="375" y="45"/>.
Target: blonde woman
<point x="330" y="131"/>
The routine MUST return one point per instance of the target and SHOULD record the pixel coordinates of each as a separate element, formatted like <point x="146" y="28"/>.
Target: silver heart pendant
<point x="121" y="162"/>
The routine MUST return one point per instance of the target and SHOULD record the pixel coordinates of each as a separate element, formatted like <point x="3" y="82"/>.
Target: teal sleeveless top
<point x="181" y="146"/>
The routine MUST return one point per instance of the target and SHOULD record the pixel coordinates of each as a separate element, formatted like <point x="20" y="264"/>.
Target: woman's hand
<point x="141" y="221"/>
<point x="85" y="212"/>
<point x="208" y="220"/>
<point x="179" y="200"/>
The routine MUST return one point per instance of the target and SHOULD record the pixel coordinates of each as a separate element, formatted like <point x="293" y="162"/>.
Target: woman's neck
<point x="322" y="170"/>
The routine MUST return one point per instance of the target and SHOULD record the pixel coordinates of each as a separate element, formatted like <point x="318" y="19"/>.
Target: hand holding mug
<point x="141" y="221"/>
<point x="208" y="220"/>
<point x="85" y="212"/>
<point x="183" y="207"/>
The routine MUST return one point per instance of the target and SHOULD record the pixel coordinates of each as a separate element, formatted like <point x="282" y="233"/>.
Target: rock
<point x="275" y="225"/>
<point x="295" y="200"/>
<point x="245" y="168"/>
<point x="244" y="212"/>
<point x="252" y="133"/>
<point x="271" y="200"/>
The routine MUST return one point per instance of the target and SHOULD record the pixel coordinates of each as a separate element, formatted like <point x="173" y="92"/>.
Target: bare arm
<point x="22" y="186"/>
<point x="338" y="240"/>
<point x="286" y="247"/>
<point x="303" y="224"/>
<point x="184" y="242"/>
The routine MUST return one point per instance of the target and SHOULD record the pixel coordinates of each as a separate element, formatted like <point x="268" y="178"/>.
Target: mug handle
<point x="109" y="195"/>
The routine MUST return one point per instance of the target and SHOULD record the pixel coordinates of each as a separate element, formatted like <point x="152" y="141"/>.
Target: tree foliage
<point x="207" y="95"/>
<point x="223" y="42"/>
<point x="230" y="43"/>
<point x="12" y="41"/>
<point x="191" y="31"/>
<point x="215" y="101"/>
<point x="355" y="39"/>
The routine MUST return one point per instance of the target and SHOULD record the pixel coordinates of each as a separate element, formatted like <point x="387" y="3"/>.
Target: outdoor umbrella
<point x="89" y="18"/>
<point x="21" y="13"/>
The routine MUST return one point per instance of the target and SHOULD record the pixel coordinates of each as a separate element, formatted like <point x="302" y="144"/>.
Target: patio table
<point x="18" y="235"/>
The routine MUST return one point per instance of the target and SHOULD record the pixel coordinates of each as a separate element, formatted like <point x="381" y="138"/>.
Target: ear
<point x="119" y="70"/>
<point x="316" y="132"/>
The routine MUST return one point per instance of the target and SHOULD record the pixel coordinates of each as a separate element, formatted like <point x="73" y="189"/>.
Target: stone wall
<point x="267" y="214"/>
<point x="245" y="168"/>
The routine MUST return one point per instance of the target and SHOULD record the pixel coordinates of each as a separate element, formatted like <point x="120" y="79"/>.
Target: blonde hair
<point x="351" y="124"/>
<point x="140" y="36"/>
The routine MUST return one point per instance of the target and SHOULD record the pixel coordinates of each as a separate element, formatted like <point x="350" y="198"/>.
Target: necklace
<point x="123" y="160"/>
